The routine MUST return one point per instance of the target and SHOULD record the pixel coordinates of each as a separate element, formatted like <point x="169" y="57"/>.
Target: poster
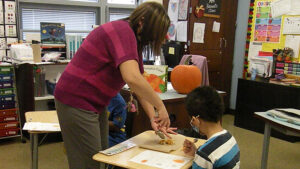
<point x="198" y="34"/>
<point x="173" y="10"/>
<point x="182" y="31"/>
<point x="267" y="29"/>
<point x="183" y="9"/>
<point x="172" y="31"/>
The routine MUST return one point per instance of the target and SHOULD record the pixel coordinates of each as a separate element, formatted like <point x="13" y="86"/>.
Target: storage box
<point x="7" y="105"/>
<point x="8" y="112"/>
<point x="9" y="132"/>
<point x="6" y="84"/>
<point x="7" y="91"/>
<point x="8" y="118"/>
<point x="157" y="76"/>
<point x="9" y="125"/>
<point x="6" y="70"/>
<point x="6" y="77"/>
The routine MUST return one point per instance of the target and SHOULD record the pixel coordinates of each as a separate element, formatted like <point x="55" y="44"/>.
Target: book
<point x="157" y="77"/>
<point x="53" y="33"/>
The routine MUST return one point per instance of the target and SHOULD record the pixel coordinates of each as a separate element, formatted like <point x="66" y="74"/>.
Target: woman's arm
<point x="138" y="84"/>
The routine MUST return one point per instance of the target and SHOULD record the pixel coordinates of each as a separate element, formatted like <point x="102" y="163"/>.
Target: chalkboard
<point x="212" y="8"/>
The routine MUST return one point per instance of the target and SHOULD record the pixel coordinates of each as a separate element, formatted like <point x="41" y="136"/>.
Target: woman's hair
<point x="206" y="103"/>
<point x="155" y="25"/>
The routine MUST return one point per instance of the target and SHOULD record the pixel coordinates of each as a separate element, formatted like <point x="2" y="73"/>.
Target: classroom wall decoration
<point x="266" y="33"/>
<point x="8" y="26"/>
<point x="212" y="8"/>
<point x="267" y="29"/>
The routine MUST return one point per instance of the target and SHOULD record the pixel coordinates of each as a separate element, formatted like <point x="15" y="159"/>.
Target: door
<point x="217" y="46"/>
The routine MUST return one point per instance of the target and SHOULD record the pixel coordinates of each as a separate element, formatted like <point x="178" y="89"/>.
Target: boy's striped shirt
<point x="219" y="152"/>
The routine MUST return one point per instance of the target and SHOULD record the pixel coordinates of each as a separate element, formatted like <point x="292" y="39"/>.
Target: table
<point x="272" y="123"/>
<point x="122" y="159"/>
<point x="174" y="103"/>
<point x="38" y="116"/>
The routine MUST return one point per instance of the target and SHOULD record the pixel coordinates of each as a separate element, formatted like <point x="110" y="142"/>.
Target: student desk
<point x="38" y="116"/>
<point x="272" y="123"/>
<point x="122" y="159"/>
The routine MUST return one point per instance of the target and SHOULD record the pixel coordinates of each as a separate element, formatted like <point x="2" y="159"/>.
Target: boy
<point x="117" y="116"/>
<point x="205" y="106"/>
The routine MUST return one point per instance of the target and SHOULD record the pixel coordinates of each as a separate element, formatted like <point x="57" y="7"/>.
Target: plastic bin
<point x="6" y="77"/>
<point x="9" y="125"/>
<point x="8" y="105"/>
<point x="8" y="112"/>
<point x="9" y="132"/>
<point x="7" y="91"/>
<point x="7" y="98"/>
<point x="8" y="118"/>
<point x="6" y="84"/>
<point x="6" y="70"/>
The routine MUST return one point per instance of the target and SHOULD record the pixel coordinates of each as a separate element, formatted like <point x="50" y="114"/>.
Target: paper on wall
<point x="216" y="26"/>
<point x="295" y="10"/>
<point x="291" y="25"/>
<point x="254" y="49"/>
<point x="293" y="42"/>
<point x="173" y="10"/>
<point x="183" y="9"/>
<point x="182" y="31"/>
<point x="172" y="31"/>
<point x="199" y="31"/>
<point x="160" y="160"/>
<point x="280" y="7"/>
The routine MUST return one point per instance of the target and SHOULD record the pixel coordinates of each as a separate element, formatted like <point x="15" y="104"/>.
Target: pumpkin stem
<point x="188" y="61"/>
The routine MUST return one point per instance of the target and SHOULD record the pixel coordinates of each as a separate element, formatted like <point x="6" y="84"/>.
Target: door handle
<point x="225" y="42"/>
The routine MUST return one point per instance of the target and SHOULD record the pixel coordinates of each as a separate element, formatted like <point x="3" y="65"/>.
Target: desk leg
<point x="264" y="159"/>
<point x="34" y="150"/>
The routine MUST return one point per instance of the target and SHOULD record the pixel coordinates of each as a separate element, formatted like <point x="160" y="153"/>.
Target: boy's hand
<point x="189" y="148"/>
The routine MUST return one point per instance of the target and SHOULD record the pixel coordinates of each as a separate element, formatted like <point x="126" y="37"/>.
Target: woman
<point x="108" y="58"/>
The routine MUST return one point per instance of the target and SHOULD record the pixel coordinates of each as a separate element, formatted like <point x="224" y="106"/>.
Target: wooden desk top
<point x="122" y="159"/>
<point x="43" y="117"/>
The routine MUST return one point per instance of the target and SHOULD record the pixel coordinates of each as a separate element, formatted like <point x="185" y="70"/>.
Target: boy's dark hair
<point x="205" y="102"/>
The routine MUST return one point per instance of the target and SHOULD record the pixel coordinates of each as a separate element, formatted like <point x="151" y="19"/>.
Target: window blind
<point x="128" y="2"/>
<point x="75" y="21"/>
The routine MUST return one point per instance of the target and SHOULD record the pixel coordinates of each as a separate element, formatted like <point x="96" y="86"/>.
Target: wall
<point x="239" y="48"/>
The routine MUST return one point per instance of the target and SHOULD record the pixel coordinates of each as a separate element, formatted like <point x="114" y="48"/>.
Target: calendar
<point x="291" y="25"/>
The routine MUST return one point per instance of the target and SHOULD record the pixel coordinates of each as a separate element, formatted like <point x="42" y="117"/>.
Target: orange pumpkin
<point x="185" y="78"/>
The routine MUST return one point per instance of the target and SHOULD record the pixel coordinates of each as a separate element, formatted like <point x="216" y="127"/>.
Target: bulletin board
<point x="265" y="30"/>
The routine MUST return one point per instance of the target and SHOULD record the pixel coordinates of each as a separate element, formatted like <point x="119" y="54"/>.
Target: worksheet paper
<point x="37" y="126"/>
<point x="173" y="10"/>
<point x="293" y="42"/>
<point x="181" y="31"/>
<point x="160" y="160"/>
<point x="199" y="31"/>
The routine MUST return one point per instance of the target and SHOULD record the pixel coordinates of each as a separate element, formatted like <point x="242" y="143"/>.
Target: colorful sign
<point x="267" y="29"/>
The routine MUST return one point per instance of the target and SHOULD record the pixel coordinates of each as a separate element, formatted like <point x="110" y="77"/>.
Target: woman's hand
<point x="156" y="127"/>
<point x="163" y="117"/>
<point x="189" y="148"/>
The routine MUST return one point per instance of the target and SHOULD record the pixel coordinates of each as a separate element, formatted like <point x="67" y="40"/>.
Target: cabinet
<point x="259" y="96"/>
<point x="9" y="113"/>
<point x="31" y="85"/>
